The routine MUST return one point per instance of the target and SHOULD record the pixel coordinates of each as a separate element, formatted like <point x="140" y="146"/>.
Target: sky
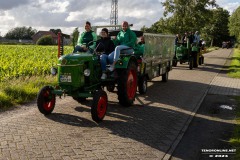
<point x="69" y="14"/>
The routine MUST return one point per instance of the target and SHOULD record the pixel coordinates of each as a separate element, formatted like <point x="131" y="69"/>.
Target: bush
<point x="45" y="40"/>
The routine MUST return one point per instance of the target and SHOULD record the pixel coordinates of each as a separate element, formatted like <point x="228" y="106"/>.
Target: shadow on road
<point x="155" y="123"/>
<point x="160" y="115"/>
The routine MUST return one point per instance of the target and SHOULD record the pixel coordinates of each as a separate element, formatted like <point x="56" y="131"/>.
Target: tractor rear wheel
<point x="127" y="85"/>
<point x="46" y="100"/>
<point x="99" y="106"/>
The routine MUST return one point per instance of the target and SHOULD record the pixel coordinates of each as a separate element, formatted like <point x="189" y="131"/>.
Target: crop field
<point x="27" y="60"/>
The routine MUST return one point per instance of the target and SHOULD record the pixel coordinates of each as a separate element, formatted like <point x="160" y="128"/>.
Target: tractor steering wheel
<point x="89" y="48"/>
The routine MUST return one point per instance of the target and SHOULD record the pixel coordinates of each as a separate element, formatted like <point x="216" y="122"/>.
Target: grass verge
<point x="22" y="90"/>
<point x="235" y="139"/>
<point x="234" y="71"/>
<point x="210" y="49"/>
<point x="234" y="68"/>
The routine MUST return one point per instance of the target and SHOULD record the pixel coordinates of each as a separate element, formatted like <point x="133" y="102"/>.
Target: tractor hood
<point x="75" y="59"/>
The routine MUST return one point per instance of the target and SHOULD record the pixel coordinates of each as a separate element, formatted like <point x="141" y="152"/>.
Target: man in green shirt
<point x="85" y="38"/>
<point x="126" y="39"/>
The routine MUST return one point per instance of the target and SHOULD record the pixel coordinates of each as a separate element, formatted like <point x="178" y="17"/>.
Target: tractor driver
<point x="85" y="38"/>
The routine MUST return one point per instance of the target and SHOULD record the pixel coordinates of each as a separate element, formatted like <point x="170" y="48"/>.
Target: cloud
<point x="68" y="14"/>
<point x="9" y="4"/>
<point x="229" y="5"/>
<point x="74" y="13"/>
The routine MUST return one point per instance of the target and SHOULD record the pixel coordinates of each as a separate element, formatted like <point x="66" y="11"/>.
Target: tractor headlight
<point x="87" y="72"/>
<point x="53" y="71"/>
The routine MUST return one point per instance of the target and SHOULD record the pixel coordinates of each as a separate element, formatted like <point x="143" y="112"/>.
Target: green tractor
<point x="79" y="75"/>
<point x="184" y="52"/>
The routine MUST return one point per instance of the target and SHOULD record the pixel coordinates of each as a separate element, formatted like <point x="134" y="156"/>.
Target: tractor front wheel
<point x="46" y="100"/>
<point x="99" y="106"/>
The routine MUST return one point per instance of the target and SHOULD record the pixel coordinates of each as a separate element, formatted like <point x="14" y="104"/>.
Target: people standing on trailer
<point x="184" y="39"/>
<point x="177" y="39"/>
<point x="191" y="37"/>
<point x="196" y="38"/>
<point x="87" y="36"/>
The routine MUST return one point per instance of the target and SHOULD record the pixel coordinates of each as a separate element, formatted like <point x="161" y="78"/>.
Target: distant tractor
<point x="192" y="54"/>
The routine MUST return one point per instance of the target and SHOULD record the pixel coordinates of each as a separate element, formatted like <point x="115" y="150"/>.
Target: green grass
<point x="235" y="139"/>
<point x="210" y="49"/>
<point x="234" y="72"/>
<point x="24" y="69"/>
<point x="234" y="68"/>
<point x="22" y="90"/>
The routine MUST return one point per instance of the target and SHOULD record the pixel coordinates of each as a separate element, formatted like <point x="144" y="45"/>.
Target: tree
<point x="234" y="23"/>
<point x="75" y="36"/>
<point x="45" y="40"/>
<point x="188" y="15"/>
<point x="185" y="15"/>
<point x="21" y="33"/>
<point x="217" y="28"/>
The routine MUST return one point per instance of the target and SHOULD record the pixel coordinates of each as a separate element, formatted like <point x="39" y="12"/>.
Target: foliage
<point x="75" y="36"/>
<point x="27" y="60"/>
<point x="45" y="40"/>
<point x="21" y="33"/>
<point x="190" y="15"/>
<point x="234" y="68"/>
<point x="22" y="90"/>
<point x="24" y="69"/>
<point x="234" y="23"/>
<point x="217" y="28"/>
<point x="187" y="15"/>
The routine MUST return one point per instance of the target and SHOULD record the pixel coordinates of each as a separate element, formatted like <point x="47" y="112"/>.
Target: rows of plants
<point x="27" y="60"/>
<point x="24" y="69"/>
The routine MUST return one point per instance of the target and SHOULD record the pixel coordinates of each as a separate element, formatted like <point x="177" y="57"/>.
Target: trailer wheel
<point x="165" y="77"/>
<point x="142" y="85"/>
<point x="46" y="100"/>
<point x="200" y="61"/>
<point x="99" y="106"/>
<point x="174" y="63"/>
<point x="80" y="99"/>
<point x="191" y="64"/>
<point x="127" y="85"/>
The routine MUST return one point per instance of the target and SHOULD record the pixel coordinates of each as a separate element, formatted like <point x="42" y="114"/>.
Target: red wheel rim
<point x="48" y="100"/>
<point x="131" y="84"/>
<point x="102" y="106"/>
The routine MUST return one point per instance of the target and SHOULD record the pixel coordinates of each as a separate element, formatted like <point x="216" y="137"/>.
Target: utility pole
<point x="114" y="13"/>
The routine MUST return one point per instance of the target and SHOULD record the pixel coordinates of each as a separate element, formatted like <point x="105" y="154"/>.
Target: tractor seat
<point x="127" y="51"/>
